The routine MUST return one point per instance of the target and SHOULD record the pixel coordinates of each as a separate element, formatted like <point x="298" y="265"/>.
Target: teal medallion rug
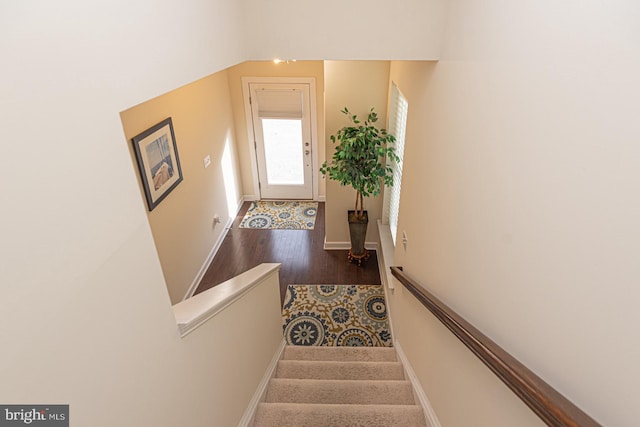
<point x="336" y="315"/>
<point x="284" y="215"/>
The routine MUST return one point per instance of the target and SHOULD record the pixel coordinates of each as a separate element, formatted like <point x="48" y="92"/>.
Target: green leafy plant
<point x="359" y="159"/>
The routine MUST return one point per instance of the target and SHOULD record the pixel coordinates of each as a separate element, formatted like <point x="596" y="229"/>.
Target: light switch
<point x="207" y="161"/>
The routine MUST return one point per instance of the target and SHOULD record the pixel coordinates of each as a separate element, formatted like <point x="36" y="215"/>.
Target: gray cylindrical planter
<point x="358" y="234"/>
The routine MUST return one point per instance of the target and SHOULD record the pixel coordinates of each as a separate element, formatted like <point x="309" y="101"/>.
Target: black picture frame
<point x="158" y="161"/>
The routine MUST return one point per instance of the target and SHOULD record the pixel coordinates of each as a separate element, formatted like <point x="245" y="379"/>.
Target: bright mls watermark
<point x="34" y="415"/>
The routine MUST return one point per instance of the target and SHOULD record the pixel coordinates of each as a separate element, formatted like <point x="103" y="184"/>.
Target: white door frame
<point x="246" y="93"/>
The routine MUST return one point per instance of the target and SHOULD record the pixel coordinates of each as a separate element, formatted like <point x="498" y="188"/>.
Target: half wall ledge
<point x="194" y="311"/>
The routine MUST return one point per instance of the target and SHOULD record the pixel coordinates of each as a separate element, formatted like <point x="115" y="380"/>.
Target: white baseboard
<point x="386" y="254"/>
<point x="208" y="261"/>
<point x="387" y="284"/>
<point x="212" y="254"/>
<point x="429" y="413"/>
<point x="253" y="198"/>
<point x="382" y="270"/>
<point x="261" y="391"/>
<point x="332" y="246"/>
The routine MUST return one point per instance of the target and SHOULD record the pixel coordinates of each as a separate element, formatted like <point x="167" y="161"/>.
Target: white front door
<point x="281" y="119"/>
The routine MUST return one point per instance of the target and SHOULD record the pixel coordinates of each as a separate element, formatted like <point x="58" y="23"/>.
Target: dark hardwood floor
<point x="304" y="261"/>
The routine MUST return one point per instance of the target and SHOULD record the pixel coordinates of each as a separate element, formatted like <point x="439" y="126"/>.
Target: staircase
<point x="339" y="386"/>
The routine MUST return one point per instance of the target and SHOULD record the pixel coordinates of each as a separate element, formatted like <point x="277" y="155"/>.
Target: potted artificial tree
<point x="359" y="161"/>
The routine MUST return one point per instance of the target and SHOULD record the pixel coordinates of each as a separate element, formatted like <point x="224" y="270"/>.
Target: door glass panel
<point x="283" y="151"/>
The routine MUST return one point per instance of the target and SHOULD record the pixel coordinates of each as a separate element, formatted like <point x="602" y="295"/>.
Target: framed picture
<point x="157" y="156"/>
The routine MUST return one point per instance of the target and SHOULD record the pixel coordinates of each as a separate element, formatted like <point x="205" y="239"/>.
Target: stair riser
<point x="340" y="371"/>
<point x="300" y="415"/>
<point x="340" y="392"/>
<point x="360" y="354"/>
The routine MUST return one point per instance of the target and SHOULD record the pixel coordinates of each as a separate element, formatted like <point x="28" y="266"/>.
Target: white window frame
<point x="398" y="111"/>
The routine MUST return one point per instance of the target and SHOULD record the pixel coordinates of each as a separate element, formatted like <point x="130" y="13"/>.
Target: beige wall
<point x="521" y="199"/>
<point x="450" y="374"/>
<point x="461" y="389"/>
<point x="335" y="29"/>
<point x="85" y="313"/>
<point x="313" y="69"/>
<point x="216" y="369"/>
<point x="182" y="224"/>
<point x="357" y="85"/>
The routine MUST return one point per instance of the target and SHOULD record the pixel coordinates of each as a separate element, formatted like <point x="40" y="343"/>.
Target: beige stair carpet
<point x="339" y="386"/>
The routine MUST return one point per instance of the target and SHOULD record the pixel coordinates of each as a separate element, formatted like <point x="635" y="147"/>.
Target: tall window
<point x="398" y="108"/>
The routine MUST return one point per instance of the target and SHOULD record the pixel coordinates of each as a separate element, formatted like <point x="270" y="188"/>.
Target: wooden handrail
<point x="551" y="406"/>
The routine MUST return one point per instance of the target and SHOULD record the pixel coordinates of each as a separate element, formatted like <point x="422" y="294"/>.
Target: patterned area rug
<point x="336" y="315"/>
<point x="287" y="215"/>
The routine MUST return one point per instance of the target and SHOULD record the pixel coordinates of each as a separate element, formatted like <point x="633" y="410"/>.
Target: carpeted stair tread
<point x="335" y="370"/>
<point x="342" y="370"/>
<point x="363" y="354"/>
<point x="351" y="392"/>
<point x="317" y="415"/>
